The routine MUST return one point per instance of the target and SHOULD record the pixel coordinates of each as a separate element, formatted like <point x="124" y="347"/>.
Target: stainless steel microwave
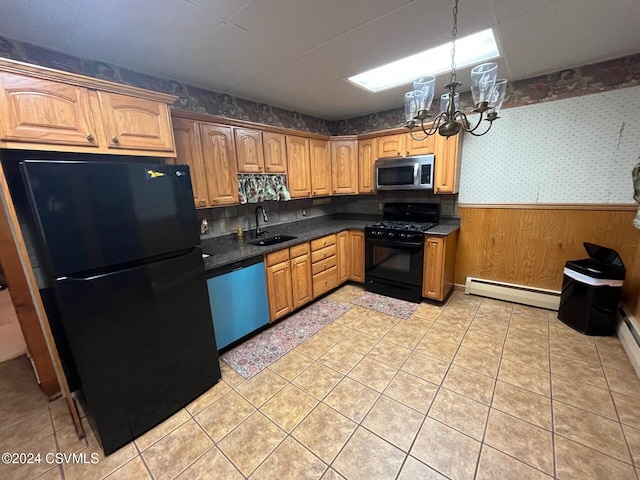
<point x="410" y="173"/>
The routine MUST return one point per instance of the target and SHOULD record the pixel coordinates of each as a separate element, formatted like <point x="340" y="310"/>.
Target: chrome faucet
<point x="260" y="231"/>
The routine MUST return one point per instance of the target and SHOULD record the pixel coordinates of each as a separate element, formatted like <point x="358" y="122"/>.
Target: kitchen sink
<point x="264" y="242"/>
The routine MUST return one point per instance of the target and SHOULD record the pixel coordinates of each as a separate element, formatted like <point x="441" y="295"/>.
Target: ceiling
<point x="298" y="54"/>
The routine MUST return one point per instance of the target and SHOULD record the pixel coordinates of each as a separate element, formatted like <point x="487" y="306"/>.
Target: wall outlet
<point x="304" y="212"/>
<point x="379" y="206"/>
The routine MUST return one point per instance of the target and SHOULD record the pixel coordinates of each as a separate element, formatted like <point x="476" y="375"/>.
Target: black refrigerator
<point x="122" y="242"/>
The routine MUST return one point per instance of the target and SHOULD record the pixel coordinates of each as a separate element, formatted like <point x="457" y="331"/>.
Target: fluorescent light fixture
<point x="475" y="48"/>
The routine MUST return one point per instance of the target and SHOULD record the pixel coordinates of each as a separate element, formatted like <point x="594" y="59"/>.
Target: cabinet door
<point x="357" y="255"/>
<point x="367" y="155"/>
<point x="447" y="163"/>
<point x="279" y="290"/>
<point x="189" y="152"/>
<point x="344" y="166"/>
<point x="219" y="163"/>
<point x="135" y="123"/>
<point x="249" y="152"/>
<point x="433" y="268"/>
<point x="298" y="166"/>
<point x="344" y="259"/>
<point x="41" y="111"/>
<point x="275" y="152"/>
<point x="320" y="168"/>
<point x="301" y="280"/>
<point x="420" y="147"/>
<point x="391" y="146"/>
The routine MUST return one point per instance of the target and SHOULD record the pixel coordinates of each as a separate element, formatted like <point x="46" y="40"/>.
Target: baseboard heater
<point x="629" y="335"/>
<point x="536" y="297"/>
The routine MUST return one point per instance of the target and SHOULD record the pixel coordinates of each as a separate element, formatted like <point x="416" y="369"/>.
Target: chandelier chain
<point x="454" y="32"/>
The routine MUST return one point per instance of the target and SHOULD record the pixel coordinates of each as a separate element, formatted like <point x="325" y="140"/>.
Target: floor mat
<point x="257" y="353"/>
<point x="390" y="306"/>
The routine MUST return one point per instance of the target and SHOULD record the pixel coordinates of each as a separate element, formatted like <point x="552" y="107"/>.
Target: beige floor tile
<point x="447" y="332"/>
<point x="616" y="361"/>
<point x="318" y="380"/>
<point x="610" y="345"/>
<point x="489" y="326"/>
<point x="531" y="325"/>
<point x="176" y="451"/>
<point x="428" y="311"/>
<point x="585" y="396"/>
<point x="455" y="317"/>
<point x="359" y="342"/>
<point x="19" y="471"/>
<point x="290" y="365"/>
<point x="478" y="361"/>
<point x="13" y="438"/>
<point x="208" y="397"/>
<point x="403" y="335"/>
<point x="496" y="465"/>
<point x="60" y="413"/>
<point x="340" y="359"/>
<point x="417" y="323"/>
<point x="524" y="337"/>
<point x="628" y="409"/>
<point x="261" y="388"/>
<point x="223" y="415"/>
<point x="156" y="433"/>
<point x="579" y="371"/>
<point x="527" y="311"/>
<point x="426" y="367"/>
<point x="314" y="347"/>
<point x="584" y="353"/>
<point x="459" y="412"/>
<point x="394" y="422"/>
<point x="632" y="436"/>
<point x="577" y="462"/>
<point x="623" y="382"/>
<point x="389" y="353"/>
<point x="415" y="470"/>
<point x="383" y="461"/>
<point x="352" y="399"/>
<point x="230" y="376"/>
<point x="324" y="432"/>
<point x="334" y="332"/>
<point x="104" y="465"/>
<point x="526" y="354"/>
<point x="54" y="473"/>
<point x="470" y="384"/>
<point x="523" y="404"/>
<point x="411" y="391"/>
<point x="134" y="470"/>
<point x="17" y="378"/>
<point x="376" y="325"/>
<point x="446" y="450"/>
<point x="258" y="431"/>
<point x="288" y="407"/>
<point x="590" y="430"/>
<point x="69" y="442"/>
<point x="486" y="343"/>
<point x="290" y="461"/>
<point x="331" y="474"/>
<point x="353" y="317"/>
<point x="521" y="440"/>
<point x="438" y="348"/>
<point x="373" y="374"/>
<point x="211" y="463"/>
<point x="532" y="379"/>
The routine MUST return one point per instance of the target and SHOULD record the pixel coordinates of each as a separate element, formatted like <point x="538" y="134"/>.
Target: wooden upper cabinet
<point x="298" y="166"/>
<point x="344" y="166"/>
<point x="249" y="150"/>
<point x="367" y="155"/>
<point x="420" y="147"/>
<point x="275" y="152"/>
<point x="42" y="111"/>
<point x="320" y="162"/>
<point x="219" y="158"/>
<point x="447" y="164"/>
<point x="189" y="152"/>
<point x="391" y="146"/>
<point x="135" y="123"/>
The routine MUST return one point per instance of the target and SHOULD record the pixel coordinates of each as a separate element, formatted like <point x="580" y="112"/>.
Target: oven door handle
<point x="396" y="244"/>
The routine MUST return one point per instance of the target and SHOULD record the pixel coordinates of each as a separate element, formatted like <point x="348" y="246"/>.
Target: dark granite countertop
<point x="228" y="249"/>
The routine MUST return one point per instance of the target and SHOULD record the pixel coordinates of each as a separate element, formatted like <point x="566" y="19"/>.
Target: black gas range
<point x="394" y="249"/>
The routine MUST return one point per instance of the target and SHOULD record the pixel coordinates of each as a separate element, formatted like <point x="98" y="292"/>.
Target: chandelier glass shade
<point x="487" y="90"/>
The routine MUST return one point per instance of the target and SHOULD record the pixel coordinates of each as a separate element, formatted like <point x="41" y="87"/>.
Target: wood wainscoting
<point x="530" y="245"/>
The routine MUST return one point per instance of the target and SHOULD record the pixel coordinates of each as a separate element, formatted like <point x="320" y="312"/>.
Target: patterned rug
<point x="257" y="353"/>
<point x="390" y="306"/>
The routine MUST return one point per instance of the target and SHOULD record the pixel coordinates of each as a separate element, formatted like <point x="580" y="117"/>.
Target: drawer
<point x="277" y="257"/>
<point x="299" y="250"/>
<point x="323" y="265"/>
<point x="323" y="253"/>
<point x="325" y="281"/>
<point x="319" y="243"/>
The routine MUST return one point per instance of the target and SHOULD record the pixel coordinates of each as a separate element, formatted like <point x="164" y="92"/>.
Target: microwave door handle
<point x="416" y="174"/>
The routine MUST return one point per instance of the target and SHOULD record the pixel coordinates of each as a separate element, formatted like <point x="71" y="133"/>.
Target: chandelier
<point x="488" y="95"/>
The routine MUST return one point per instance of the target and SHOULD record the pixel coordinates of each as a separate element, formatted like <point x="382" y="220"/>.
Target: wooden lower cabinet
<point x="356" y="247"/>
<point x="301" y="285"/>
<point x="439" y="266"/>
<point x="324" y="264"/>
<point x="279" y="284"/>
<point x="343" y="254"/>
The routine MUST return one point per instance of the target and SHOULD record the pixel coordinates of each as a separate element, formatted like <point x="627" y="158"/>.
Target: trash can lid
<point x="596" y="269"/>
<point x="603" y="254"/>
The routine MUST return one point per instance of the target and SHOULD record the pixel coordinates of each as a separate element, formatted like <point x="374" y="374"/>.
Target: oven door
<point x="394" y="262"/>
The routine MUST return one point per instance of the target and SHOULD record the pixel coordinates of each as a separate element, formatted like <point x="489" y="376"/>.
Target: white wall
<point x="578" y="150"/>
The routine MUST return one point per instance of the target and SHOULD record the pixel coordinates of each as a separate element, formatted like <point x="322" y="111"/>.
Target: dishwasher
<point x="238" y="299"/>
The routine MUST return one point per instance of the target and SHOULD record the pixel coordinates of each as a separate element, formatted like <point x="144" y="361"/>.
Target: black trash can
<point x="591" y="291"/>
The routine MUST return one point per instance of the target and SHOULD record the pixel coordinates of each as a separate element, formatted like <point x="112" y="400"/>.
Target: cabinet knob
<point x="398" y="153"/>
<point x="90" y="137"/>
<point x="115" y="139"/>
<point x="407" y="153"/>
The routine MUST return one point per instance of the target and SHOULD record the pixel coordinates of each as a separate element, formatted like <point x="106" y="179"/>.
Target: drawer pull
<point x="90" y="137"/>
<point x="115" y="139"/>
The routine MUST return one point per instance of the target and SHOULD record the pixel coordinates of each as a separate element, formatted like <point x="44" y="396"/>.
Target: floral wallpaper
<point x="254" y="188"/>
